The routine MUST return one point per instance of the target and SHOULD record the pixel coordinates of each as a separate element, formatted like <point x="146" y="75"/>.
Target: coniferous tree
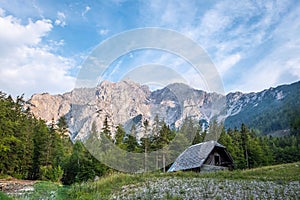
<point x="82" y="166"/>
<point x="40" y="141"/>
<point x="214" y="131"/>
<point x="131" y="144"/>
<point x="106" y="128"/>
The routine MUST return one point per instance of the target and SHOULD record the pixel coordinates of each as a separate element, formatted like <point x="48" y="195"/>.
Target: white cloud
<point x="2" y="12"/>
<point x="118" y="2"/>
<point x="172" y="14"/>
<point x="213" y="21"/>
<point x="86" y="10"/>
<point x="61" y="19"/>
<point x="26" y="64"/>
<point x="16" y="34"/>
<point x="228" y="62"/>
<point x="103" y="31"/>
<point x="237" y="25"/>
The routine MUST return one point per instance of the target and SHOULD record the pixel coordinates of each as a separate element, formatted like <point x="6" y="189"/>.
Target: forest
<point x="32" y="149"/>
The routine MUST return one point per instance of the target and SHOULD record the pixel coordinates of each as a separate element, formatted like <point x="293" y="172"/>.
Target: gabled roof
<point x="194" y="156"/>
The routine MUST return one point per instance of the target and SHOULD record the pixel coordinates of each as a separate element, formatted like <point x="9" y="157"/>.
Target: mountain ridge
<point x="124" y="101"/>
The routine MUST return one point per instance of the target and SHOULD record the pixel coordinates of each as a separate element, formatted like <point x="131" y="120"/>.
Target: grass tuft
<point x="4" y="196"/>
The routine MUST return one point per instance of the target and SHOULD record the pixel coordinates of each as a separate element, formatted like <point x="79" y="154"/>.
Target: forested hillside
<point x="30" y="149"/>
<point x="272" y="110"/>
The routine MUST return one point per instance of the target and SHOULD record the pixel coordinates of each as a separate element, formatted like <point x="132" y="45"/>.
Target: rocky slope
<point x="129" y="103"/>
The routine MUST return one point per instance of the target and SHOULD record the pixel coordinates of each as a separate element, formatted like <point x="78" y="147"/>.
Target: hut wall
<point x="211" y="168"/>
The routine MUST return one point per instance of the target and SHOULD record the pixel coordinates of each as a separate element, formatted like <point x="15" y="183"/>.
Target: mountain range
<point x="269" y="112"/>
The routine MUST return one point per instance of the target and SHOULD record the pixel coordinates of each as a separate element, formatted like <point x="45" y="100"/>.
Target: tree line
<point x="248" y="148"/>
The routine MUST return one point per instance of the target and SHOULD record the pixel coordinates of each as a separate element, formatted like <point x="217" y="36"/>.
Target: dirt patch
<point x="16" y="186"/>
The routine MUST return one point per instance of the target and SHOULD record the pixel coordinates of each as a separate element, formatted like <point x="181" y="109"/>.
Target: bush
<point x="49" y="173"/>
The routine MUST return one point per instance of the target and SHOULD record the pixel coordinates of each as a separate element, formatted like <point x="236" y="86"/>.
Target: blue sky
<point x="254" y="45"/>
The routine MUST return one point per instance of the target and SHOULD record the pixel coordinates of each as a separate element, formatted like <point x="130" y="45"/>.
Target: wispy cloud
<point x="61" y="19"/>
<point x="234" y="33"/>
<point x="86" y="10"/>
<point x="103" y="31"/>
<point x="228" y="62"/>
<point x="282" y="63"/>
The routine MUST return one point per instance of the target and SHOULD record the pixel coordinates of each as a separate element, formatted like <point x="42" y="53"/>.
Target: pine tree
<point x="120" y="135"/>
<point x="214" y="131"/>
<point x="145" y="143"/>
<point x="130" y="143"/>
<point x="40" y="140"/>
<point x="106" y="128"/>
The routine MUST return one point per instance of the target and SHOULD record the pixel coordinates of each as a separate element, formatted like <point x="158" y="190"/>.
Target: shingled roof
<point x="194" y="156"/>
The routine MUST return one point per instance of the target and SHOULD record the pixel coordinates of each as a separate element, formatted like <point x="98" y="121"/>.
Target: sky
<point x="253" y="45"/>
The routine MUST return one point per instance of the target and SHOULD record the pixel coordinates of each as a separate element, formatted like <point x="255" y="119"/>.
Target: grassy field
<point x="177" y="185"/>
<point x="280" y="181"/>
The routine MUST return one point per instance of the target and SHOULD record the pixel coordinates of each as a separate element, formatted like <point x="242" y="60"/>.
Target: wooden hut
<point x="203" y="157"/>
